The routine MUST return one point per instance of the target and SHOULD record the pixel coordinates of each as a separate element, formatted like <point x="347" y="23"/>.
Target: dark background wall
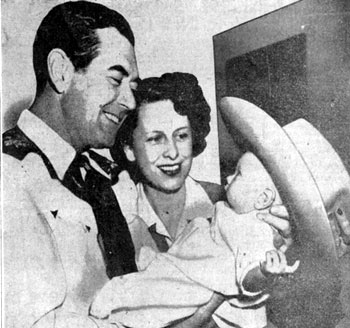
<point x="293" y="63"/>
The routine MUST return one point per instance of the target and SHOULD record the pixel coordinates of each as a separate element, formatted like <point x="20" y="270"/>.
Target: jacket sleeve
<point x="34" y="282"/>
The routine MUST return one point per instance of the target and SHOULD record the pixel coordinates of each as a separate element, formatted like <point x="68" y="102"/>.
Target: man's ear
<point x="129" y="153"/>
<point x="60" y="70"/>
<point x="265" y="199"/>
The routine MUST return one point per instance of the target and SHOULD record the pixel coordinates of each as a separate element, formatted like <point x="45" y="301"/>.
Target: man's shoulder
<point x="16" y="144"/>
<point x="23" y="180"/>
<point x="21" y="157"/>
<point x="31" y="165"/>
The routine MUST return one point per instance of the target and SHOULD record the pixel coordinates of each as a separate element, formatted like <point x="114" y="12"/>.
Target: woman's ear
<point x="265" y="199"/>
<point x="129" y="153"/>
<point x="60" y="70"/>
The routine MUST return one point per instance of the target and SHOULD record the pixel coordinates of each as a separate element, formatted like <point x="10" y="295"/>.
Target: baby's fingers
<point x="292" y="268"/>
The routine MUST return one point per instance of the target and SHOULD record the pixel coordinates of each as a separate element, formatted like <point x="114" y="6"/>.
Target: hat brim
<point x="298" y="190"/>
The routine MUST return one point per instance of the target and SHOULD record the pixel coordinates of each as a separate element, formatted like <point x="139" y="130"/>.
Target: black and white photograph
<point x="175" y="163"/>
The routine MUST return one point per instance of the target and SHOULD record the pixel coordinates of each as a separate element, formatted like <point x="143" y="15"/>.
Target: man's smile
<point x="116" y="119"/>
<point x="112" y="118"/>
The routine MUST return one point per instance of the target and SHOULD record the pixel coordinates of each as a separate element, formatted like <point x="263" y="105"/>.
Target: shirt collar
<point x="103" y="152"/>
<point x="198" y="204"/>
<point x="146" y="212"/>
<point x="58" y="151"/>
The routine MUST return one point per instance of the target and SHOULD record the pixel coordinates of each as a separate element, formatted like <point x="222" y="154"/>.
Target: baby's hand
<point x="276" y="264"/>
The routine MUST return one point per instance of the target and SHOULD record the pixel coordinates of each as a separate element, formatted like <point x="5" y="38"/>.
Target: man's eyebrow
<point x="120" y="69"/>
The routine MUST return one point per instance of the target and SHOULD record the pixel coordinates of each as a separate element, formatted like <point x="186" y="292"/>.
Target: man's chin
<point x="103" y="143"/>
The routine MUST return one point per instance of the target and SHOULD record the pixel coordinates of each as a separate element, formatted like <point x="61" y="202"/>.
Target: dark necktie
<point x="97" y="191"/>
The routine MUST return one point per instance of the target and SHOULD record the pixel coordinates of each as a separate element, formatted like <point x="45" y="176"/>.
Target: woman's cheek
<point x="185" y="149"/>
<point x="154" y="153"/>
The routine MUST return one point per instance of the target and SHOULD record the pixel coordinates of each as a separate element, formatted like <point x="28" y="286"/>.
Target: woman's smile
<point x="171" y="169"/>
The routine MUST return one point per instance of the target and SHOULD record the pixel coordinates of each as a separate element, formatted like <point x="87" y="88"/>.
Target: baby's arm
<point x="262" y="276"/>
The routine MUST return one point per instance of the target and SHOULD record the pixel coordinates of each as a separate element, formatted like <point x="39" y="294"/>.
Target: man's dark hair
<point x="188" y="99"/>
<point x="71" y="26"/>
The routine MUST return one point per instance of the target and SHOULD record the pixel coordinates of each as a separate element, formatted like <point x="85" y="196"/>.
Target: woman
<point x="161" y="138"/>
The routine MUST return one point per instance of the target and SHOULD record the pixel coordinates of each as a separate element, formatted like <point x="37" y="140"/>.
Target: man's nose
<point x="126" y="98"/>
<point x="171" y="150"/>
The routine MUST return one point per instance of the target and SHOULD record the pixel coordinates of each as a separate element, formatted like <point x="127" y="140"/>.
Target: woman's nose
<point x="171" y="150"/>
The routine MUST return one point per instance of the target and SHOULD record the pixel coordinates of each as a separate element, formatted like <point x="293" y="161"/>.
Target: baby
<point x="230" y="254"/>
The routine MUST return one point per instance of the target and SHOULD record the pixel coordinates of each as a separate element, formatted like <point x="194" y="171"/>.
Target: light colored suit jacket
<point x="53" y="265"/>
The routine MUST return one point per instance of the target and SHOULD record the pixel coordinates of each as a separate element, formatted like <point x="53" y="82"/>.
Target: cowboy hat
<point x="309" y="174"/>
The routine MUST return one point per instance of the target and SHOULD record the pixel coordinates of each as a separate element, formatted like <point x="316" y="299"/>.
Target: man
<point x="61" y="241"/>
<point x="86" y="73"/>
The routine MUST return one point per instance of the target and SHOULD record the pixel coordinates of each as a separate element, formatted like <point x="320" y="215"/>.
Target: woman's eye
<point x="182" y="136"/>
<point x="154" y="139"/>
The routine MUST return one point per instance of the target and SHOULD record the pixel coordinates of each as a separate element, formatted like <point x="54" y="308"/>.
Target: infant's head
<point x="251" y="187"/>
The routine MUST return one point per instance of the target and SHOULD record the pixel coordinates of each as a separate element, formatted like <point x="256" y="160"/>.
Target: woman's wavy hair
<point x="188" y="99"/>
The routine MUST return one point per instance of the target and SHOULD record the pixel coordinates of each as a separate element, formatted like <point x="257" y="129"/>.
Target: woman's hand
<point x="278" y="218"/>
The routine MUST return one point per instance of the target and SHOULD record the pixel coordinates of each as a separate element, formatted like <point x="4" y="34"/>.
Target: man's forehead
<point x="116" y="51"/>
<point x="110" y="36"/>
